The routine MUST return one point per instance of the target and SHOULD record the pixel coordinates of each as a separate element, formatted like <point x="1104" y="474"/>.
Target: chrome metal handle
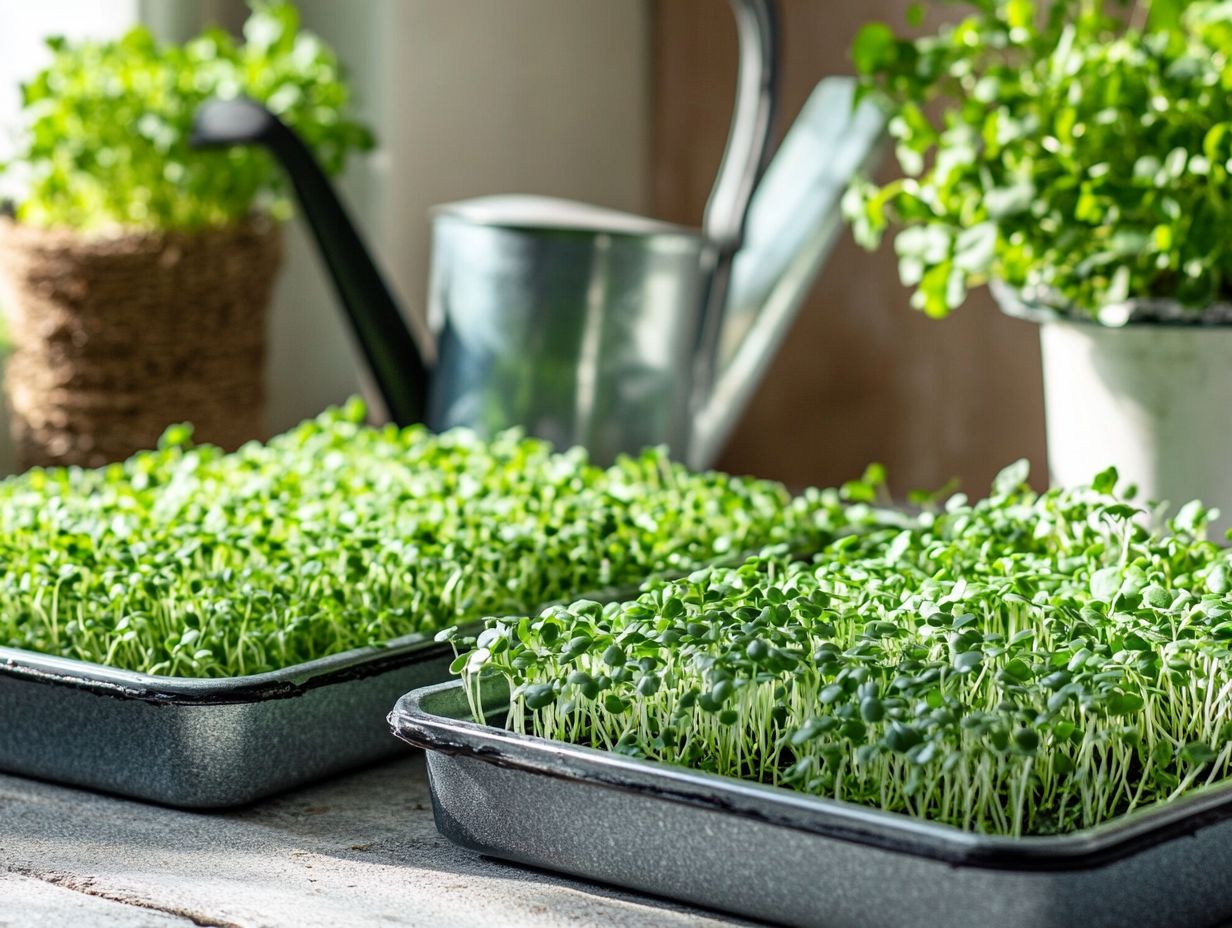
<point x="748" y="139"/>
<point x="743" y="160"/>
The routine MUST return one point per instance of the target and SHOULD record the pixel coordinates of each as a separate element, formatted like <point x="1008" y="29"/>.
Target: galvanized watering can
<point x="592" y="327"/>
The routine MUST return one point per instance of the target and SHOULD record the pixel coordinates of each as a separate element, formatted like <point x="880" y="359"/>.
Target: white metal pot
<point x="1153" y="400"/>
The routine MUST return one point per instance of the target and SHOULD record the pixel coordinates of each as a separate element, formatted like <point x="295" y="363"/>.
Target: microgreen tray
<point x="210" y="742"/>
<point x="795" y="859"/>
<point x="214" y="742"/>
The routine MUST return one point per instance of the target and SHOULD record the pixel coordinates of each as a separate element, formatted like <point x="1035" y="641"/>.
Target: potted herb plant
<point x="1076" y="154"/>
<point x="136" y="270"/>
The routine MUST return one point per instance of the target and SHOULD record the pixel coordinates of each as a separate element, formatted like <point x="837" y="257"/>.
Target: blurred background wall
<point x="623" y="103"/>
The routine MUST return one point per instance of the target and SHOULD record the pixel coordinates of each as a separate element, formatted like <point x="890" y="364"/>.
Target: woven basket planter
<point x="115" y="338"/>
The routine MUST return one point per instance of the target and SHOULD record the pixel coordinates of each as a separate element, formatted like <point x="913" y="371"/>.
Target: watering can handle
<point x="749" y="137"/>
<point x="741" y="168"/>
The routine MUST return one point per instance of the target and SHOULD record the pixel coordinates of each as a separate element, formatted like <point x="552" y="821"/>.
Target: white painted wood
<point x="1155" y="401"/>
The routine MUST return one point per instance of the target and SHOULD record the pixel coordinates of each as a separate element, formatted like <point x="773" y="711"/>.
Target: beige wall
<point x="862" y="376"/>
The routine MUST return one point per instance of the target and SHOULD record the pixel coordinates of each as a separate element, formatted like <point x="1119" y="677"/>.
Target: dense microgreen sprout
<point x="1027" y="664"/>
<point x="191" y="562"/>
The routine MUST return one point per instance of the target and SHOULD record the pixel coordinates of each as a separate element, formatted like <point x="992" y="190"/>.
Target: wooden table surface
<point x="358" y="850"/>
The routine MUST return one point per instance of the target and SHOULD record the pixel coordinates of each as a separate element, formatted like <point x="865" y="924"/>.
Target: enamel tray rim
<point x="413" y="720"/>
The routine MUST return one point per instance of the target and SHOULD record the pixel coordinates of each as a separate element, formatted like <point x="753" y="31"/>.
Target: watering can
<point x="592" y="327"/>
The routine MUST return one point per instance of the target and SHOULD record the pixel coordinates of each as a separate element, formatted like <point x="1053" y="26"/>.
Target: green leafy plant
<point x="1027" y="664"/>
<point x="191" y="562"/>
<point x="1077" y="149"/>
<point x="105" y="140"/>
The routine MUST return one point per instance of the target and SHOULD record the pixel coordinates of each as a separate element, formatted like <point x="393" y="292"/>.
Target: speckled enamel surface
<point x="184" y="752"/>
<point x="551" y="805"/>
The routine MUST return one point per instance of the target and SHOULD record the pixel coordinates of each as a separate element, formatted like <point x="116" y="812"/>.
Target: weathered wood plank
<point x="26" y="900"/>
<point x="362" y="849"/>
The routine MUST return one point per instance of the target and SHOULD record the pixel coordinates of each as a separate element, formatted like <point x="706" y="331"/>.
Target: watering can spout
<point x="792" y="224"/>
<point x="394" y="358"/>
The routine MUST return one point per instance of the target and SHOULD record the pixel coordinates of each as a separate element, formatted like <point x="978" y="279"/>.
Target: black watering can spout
<point x="393" y="356"/>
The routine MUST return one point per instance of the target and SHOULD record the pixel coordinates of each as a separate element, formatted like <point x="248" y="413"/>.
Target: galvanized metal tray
<point x="784" y="857"/>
